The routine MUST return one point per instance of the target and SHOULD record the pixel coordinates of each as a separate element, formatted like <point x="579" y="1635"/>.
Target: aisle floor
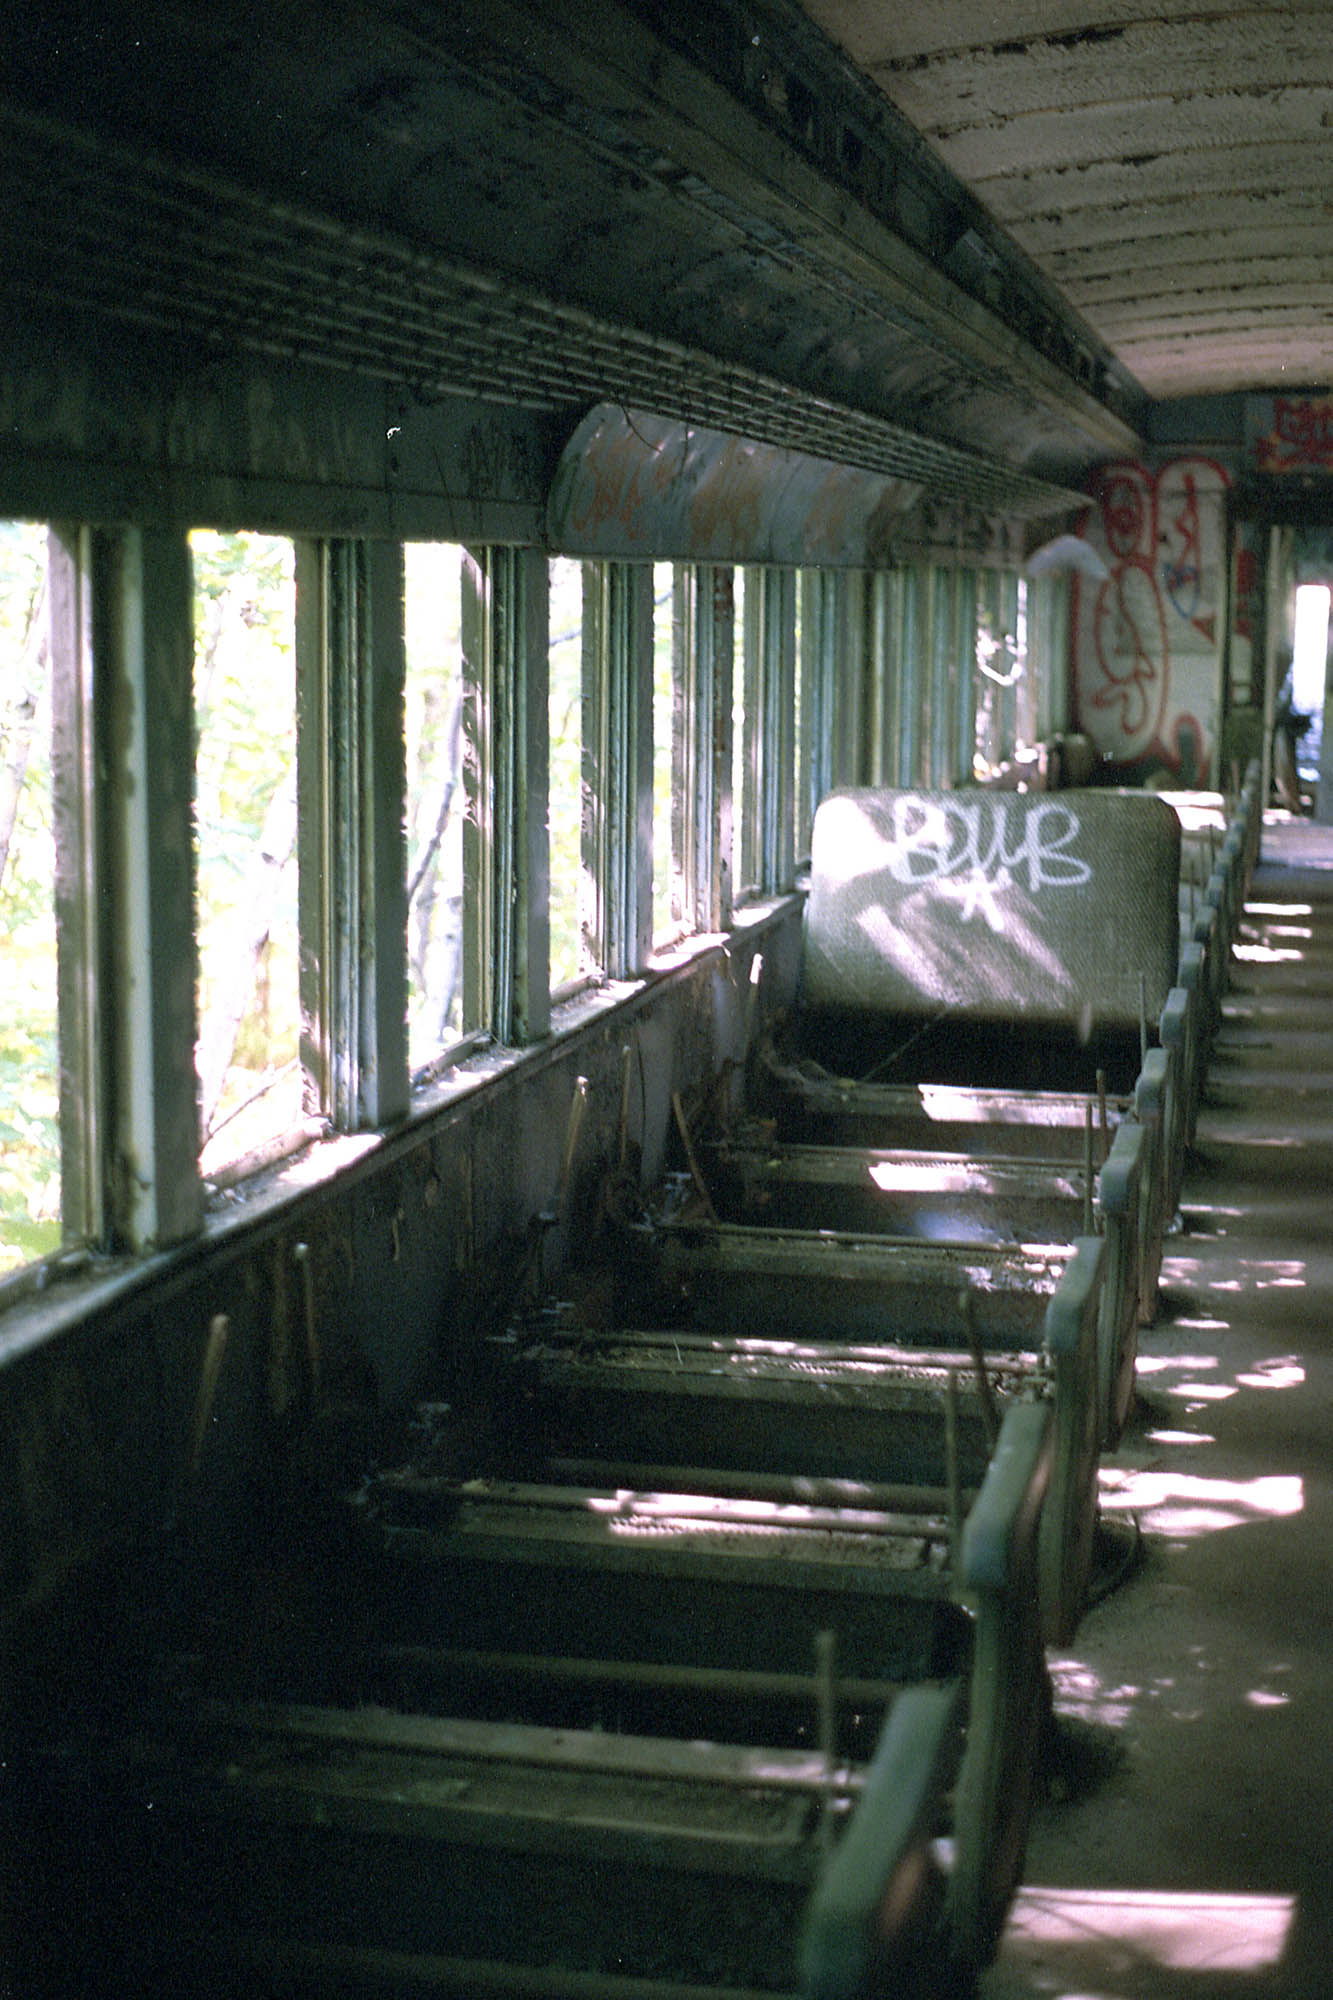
<point x="1186" y="1850"/>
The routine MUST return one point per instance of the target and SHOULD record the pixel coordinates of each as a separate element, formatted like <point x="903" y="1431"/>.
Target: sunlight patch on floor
<point x="1139" y="1944"/>
<point x="1182" y="1505"/>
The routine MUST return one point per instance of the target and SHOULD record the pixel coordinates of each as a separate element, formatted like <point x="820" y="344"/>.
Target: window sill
<point x="73" y="1285"/>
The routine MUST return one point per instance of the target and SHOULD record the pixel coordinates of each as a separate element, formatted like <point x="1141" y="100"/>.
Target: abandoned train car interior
<point x="666" y="936"/>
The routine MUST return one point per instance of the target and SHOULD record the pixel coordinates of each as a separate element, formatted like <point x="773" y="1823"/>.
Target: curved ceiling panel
<point x="632" y="483"/>
<point x="1166" y="167"/>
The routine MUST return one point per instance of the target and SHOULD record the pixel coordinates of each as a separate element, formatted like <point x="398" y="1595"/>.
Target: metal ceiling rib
<point x="1166" y="167"/>
<point x="90" y="227"/>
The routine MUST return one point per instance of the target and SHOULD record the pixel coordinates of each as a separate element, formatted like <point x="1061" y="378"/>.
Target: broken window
<point x="671" y="782"/>
<point x="437" y="797"/>
<point x="249" y="1012"/>
<point x="569" y="956"/>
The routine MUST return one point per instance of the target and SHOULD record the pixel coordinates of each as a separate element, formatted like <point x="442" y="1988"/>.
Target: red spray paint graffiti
<point x="1145" y="638"/>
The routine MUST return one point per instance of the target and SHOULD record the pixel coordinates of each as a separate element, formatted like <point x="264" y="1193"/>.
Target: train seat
<point x="1029" y="1317"/>
<point x="627" y="1726"/>
<point x="981" y="973"/>
<point x="908" y="1196"/>
<point x="985" y="925"/>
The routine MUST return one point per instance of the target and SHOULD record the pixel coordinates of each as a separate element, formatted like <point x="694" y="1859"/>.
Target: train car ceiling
<point x="1164" y="166"/>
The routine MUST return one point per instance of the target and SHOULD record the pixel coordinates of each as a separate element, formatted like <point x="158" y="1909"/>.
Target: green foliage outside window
<point x="29" y="1055"/>
<point x="666" y="904"/>
<point x="436" y="797"/>
<point x="245" y="816"/>
<point x="565" y="810"/>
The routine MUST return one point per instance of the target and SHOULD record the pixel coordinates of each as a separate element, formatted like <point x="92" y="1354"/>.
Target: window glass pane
<point x="565" y="806"/>
<point x="1025" y="692"/>
<point x="436" y="798"/>
<point x="987" y="675"/>
<point x="1302" y="719"/>
<point x="742" y="792"/>
<point x="29" y="1058"/>
<point x="805" y="589"/>
<point x="248" y="1053"/>
<point x="666" y="861"/>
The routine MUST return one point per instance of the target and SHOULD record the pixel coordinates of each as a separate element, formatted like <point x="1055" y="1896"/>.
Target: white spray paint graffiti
<point x="972" y="849"/>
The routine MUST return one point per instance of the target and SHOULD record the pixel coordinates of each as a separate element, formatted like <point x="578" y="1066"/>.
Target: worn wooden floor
<point x="1188" y="1850"/>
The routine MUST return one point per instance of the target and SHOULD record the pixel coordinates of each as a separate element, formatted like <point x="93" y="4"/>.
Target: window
<point x="30" y="1204"/>
<point x="437" y="802"/>
<point x="249" y="1009"/>
<point x="763" y="739"/>
<point x="744" y="723"/>
<point x="1000" y="662"/>
<point x="617" y="871"/>
<point x="343" y="788"/>
<point x="1308" y="672"/>
<point x="600" y="810"/>
<point x="671" y="777"/>
<point x="703" y="649"/>
<point x="819" y="604"/>
<point x="568" y="954"/>
<point x="943" y="679"/>
<point x="98" y="769"/>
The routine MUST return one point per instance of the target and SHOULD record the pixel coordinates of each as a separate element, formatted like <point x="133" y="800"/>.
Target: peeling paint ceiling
<point x="1170" y="168"/>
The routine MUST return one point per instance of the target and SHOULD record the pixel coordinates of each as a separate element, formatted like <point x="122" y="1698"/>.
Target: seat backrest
<point x="1026" y="909"/>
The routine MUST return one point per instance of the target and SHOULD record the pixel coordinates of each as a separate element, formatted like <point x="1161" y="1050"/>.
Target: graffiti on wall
<point x="1146" y="637"/>
<point x="1298" y="437"/>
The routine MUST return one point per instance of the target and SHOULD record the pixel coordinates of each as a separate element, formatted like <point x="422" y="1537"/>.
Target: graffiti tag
<point x="973" y="849"/>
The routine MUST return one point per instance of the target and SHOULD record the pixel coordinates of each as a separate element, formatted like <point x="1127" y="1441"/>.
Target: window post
<point x="943" y="673"/>
<point x="78" y="928"/>
<point x="911" y="655"/>
<point x="523" y="630"/>
<point x="123" y="642"/>
<point x="883" y="608"/>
